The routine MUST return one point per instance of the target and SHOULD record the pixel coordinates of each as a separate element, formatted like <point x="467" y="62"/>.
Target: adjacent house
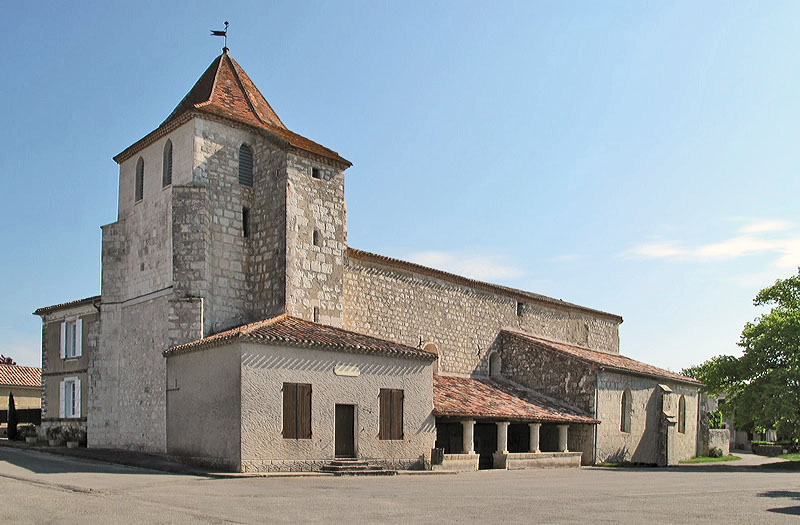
<point x="237" y="328"/>
<point x="24" y="382"/>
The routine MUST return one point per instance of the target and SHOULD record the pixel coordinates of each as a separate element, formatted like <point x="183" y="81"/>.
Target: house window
<point x="682" y="415"/>
<point x="139" y="190"/>
<point x="70" y="398"/>
<point x="625" y="415"/>
<point x="71" y="339"/>
<point x="296" y="411"/>
<point x="391" y="414"/>
<point x="166" y="177"/>
<point x="316" y="173"/>
<point x="245" y="165"/>
<point x="245" y="222"/>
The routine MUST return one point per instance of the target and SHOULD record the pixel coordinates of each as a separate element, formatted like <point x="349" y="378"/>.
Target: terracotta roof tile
<point x="70" y="304"/>
<point x="13" y="375"/>
<point x="383" y="260"/>
<point x="225" y="90"/>
<point x="292" y="331"/>
<point x="489" y="398"/>
<point x="604" y="359"/>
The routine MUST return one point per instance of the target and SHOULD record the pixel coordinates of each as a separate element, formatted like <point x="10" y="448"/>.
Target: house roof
<point x="604" y="359"/>
<point x="292" y="331"/>
<point x="13" y="375"/>
<point x="494" y="399"/>
<point x="71" y="304"/>
<point x="383" y="260"/>
<point x="224" y="90"/>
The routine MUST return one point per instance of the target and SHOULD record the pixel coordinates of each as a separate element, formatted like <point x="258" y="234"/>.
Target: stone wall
<point x="641" y="444"/>
<point x="464" y="322"/>
<point x="266" y="368"/>
<point x="549" y="372"/>
<point x="315" y="273"/>
<point x="55" y="369"/>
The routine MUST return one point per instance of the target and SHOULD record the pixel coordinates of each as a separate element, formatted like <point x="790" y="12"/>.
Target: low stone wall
<point x="536" y="460"/>
<point x="458" y="462"/>
<point x="769" y="450"/>
<point x="720" y="438"/>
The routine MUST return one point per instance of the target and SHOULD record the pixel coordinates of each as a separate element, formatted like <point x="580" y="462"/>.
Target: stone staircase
<point x="355" y="467"/>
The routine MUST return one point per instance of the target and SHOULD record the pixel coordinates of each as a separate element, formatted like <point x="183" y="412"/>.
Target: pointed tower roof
<point x="225" y="90"/>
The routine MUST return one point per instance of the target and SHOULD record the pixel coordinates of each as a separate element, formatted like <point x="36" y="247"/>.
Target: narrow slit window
<point x="245" y="222"/>
<point x="520" y="307"/>
<point x="625" y="414"/>
<point x="682" y="415"/>
<point x="245" y="165"/>
<point x="139" y="190"/>
<point x="316" y="314"/>
<point x="166" y="178"/>
<point x="315" y="238"/>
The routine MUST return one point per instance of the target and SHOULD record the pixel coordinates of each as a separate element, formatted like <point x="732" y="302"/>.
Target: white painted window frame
<point x="74" y="350"/>
<point x="71" y="410"/>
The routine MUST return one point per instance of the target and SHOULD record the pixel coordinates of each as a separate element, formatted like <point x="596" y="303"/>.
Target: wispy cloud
<point x="485" y="267"/>
<point x="752" y="239"/>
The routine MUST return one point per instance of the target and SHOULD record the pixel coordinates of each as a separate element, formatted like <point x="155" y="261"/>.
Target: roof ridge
<point x="241" y="86"/>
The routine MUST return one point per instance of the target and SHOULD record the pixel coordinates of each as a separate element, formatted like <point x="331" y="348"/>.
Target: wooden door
<point x="345" y="431"/>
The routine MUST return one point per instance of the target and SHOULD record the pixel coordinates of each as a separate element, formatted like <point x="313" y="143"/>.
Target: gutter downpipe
<point x="596" y="400"/>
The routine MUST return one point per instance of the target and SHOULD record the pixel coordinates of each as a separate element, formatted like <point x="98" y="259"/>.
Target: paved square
<point x="39" y="487"/>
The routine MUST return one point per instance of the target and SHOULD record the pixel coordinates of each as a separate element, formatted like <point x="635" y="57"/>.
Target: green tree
<point x="762" y="386"/>
<point x="12" y="418"/>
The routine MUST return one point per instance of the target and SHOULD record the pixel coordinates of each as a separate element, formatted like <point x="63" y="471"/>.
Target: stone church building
<point x="236" y="327"/>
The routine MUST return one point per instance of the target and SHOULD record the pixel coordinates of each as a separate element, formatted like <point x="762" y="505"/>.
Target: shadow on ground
<point x="785" y="494"/>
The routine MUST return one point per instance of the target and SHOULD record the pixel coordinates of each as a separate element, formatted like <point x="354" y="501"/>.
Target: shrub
<point x="24" y="431"/>
<point x="715" y="452"/>
<point x="55" y="433"/>
<point x="715" y="419"/>
<point x="75" y="434"/>
<point x="12" y="418"/>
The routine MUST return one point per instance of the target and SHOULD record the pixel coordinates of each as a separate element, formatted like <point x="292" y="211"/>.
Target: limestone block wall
<point x="555" y="374"/>
<point x="641" y="444"/>
<point x="464" y="322"/>
<point x="240" y="273"/>
<point x="266" y="368"/>
<point x="203" y="406"/>
<point x="315" y="273"/>
<point x="127" y="399"/>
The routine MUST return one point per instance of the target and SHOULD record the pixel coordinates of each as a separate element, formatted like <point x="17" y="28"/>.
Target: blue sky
<point x="635" y="157"/>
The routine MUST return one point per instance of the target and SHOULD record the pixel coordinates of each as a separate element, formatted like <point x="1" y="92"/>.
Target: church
<point x="236" y="328"/>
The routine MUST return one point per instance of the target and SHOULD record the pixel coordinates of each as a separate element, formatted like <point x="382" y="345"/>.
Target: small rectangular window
<point x="296" y="411"/>
<point x="391" y="414"/>
<point x="246" y="222"/>
<point x="316" y="173"/>
<point x="315" y="238"/>
<point x="316" y="314"/>
<point x="520" y="307"/>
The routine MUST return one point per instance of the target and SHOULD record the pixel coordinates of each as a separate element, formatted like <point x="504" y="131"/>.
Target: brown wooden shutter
<point x="384" y="431"/>
<point x="303" y="411"/>
<point x="397" y="414"/>
<point x="290" y="411"/>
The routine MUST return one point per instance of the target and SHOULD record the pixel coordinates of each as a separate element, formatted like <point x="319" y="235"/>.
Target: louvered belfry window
<point x="245" y="165"/>
<point x="166" y="178"/>
<point x="391" y="414"/>
<point x="139" y="192"/>
<point x="296" y="411"/>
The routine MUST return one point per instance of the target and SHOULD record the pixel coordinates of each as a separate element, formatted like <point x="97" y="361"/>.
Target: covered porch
<point x="486" y="423"/>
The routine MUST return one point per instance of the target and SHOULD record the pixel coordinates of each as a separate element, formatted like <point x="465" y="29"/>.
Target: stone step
<point x="338" y="468"/>
<point x="354" y="467"/>
<point x="379" y="472"/>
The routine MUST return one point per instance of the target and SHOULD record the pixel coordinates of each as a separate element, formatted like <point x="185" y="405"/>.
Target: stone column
<point x="534" y="446"/>
<point x="469" y="433"/>
<point x="502" y="437"/>
<point x="562" y="438"/>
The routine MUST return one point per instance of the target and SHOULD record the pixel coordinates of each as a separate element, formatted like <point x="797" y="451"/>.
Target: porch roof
<point x="494" y="399"/>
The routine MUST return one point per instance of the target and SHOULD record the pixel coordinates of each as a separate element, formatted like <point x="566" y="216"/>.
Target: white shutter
<point x="78" y="337"/>
<point x="63" y="341"/>
<point x="62" y="397"/>
<point x="77" y="398"/>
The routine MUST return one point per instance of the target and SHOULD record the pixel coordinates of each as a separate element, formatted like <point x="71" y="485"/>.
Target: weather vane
<point x="223" y="34"/>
